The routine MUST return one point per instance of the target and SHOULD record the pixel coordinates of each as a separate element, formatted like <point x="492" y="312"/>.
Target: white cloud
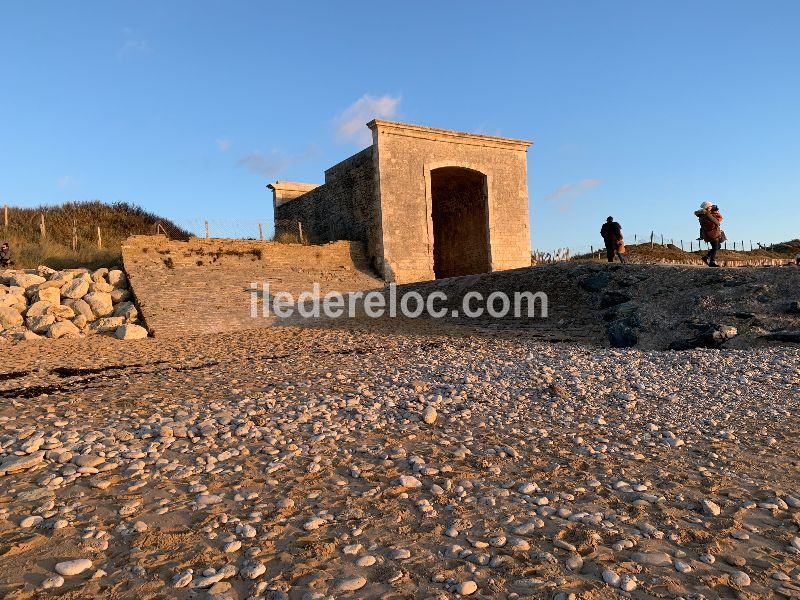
<point x="573" y="190"/>
<point x="351" y="122"/>
<point x="223" y="144"/>
<point x="270" y="165"/>
<point x="67" y="181"/>
<point x="133" y="44"/>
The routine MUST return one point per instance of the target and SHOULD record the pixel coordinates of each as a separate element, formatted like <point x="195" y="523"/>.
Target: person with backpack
<point x="612" y="236"/>
<point x="710" y="230"/>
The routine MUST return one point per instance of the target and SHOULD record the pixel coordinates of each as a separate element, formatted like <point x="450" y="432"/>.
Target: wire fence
<point x="654" y="241"/>
<point x="92" y="231"/>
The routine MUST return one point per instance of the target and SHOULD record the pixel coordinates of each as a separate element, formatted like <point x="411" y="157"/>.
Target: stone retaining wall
<point x="204" y="285"/>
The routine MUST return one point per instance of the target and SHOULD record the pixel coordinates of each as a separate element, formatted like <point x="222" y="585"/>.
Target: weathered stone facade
<point x="428" y="203"/>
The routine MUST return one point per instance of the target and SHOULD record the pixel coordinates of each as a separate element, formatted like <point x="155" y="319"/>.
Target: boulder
<point x="107" y="324"/>
<point x="20" y="333"/>
<point x="100" y="286"/>
<point x="9" y="317"/>
<point x="783" y="336"/>
<point x="100" y="303"/>
<point x="621" y="335"/>
<point x="18" y="303"/>
<point x="709" y="336"/>
<point x="48" y="294"/>
<point x="63" y="329"/>
<point x="117" y="279"/>
<point x="120" y="295"/>
<point x="131" y="332"/>
<point x="79" y="321"/>
<point x="61" y="312"/>
<point x="40" y="324"/>
<point x="99" y="274"/>
<point x="37" y="309"/>
<point x="75" y="289"/>
<point x="45" y="271"/>
<point x="126" y="310"/>
<point x="26" y="280"/>
<point x="81" y="308"/>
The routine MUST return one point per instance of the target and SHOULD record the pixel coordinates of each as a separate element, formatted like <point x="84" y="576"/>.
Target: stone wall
<point x="203" y="285"/>
<point x="343" y="208"/>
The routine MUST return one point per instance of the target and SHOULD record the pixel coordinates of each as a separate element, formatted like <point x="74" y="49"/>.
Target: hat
<point x="609" y="219"/>
<point x="706" y="204"/>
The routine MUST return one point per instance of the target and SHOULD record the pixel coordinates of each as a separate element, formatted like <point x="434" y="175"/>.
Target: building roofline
<point x="447" y="135"/>
<point x="292" y="185"/>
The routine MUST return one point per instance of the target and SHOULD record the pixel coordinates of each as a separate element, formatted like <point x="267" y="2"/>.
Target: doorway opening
<point x="459" y="211"/>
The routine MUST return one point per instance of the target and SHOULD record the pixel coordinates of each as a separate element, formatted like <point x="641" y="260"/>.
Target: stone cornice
<point x="446" y="135"/>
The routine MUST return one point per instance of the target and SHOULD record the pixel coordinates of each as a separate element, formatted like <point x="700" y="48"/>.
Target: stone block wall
<point x="343" y="208"/>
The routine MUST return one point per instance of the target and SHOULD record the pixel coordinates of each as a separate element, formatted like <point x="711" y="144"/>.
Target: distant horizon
<point x="635" y="110"/>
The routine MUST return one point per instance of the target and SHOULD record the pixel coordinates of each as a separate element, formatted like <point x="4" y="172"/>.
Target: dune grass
<point x="55" y="249"/>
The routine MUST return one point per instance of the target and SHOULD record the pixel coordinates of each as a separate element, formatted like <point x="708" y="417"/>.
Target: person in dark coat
<point x="5" y="255"/>
<point x="612" y="236"/>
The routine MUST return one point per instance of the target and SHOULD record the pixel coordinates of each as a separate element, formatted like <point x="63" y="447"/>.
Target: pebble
<point x="466" y="588"/>
<point x="740" y="578"/>
<point x="409" y="482"/>
<point x="350" y="584"/>
<point x="73" y="567"/>
<point x="429" y="415"/>
<point x="710" y="508"/>
<point x="55" y="581"/>
<point x="31" y="521"/>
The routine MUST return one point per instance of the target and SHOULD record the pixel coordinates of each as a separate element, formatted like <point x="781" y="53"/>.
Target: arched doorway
<point x="459" y="211"/>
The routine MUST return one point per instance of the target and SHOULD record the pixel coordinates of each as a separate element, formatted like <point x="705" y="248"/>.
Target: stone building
<point x="428" y="203"/>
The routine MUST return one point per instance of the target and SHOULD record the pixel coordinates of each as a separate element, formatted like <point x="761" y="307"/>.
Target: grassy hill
<point x="75" y="224"/>
<point x="646" y="252"/>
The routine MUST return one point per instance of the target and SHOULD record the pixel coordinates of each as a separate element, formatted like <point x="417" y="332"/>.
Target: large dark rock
<point x="708" y="336"/>
<point x="611" y="298"/>
<point x="794" y="308"/>
<point x="596" y="283"/>
<point x="783" y="336"/>
<point x="621" y="335"/>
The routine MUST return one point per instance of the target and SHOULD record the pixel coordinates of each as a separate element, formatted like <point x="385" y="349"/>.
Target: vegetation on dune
<point x="70" y="236"/>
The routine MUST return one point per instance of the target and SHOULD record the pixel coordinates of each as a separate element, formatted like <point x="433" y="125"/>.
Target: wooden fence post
<point x="74" y="235"/>
<point x="206" y="229"/>
<point x="662" y="239"/>
<point x="652" y="237"/>
<point x="300" y="229"/>
<point x="99" y="239"/>
<point x="5" y="215"/>
<point x="260" y="232"/>
<point x="681" y="245"/>
<point x="42" y="230"/>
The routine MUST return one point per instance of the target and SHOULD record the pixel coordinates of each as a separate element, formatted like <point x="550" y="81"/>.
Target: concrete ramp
<point x="203" y="285"/>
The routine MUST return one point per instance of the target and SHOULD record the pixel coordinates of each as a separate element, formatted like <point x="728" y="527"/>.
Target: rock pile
<point x="44" y="302"/>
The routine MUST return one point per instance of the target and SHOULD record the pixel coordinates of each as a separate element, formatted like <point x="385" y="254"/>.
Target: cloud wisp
<point x="351" y="122"/>
<point x="223" y="145"/>
<point x="573" y="190"/>
<point x="134" y="44"/>
<point x="68" y="181"/>
<point x="270" y="165"/>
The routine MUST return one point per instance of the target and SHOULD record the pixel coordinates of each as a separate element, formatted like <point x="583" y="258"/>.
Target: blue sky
<point x="189" y="108"/>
